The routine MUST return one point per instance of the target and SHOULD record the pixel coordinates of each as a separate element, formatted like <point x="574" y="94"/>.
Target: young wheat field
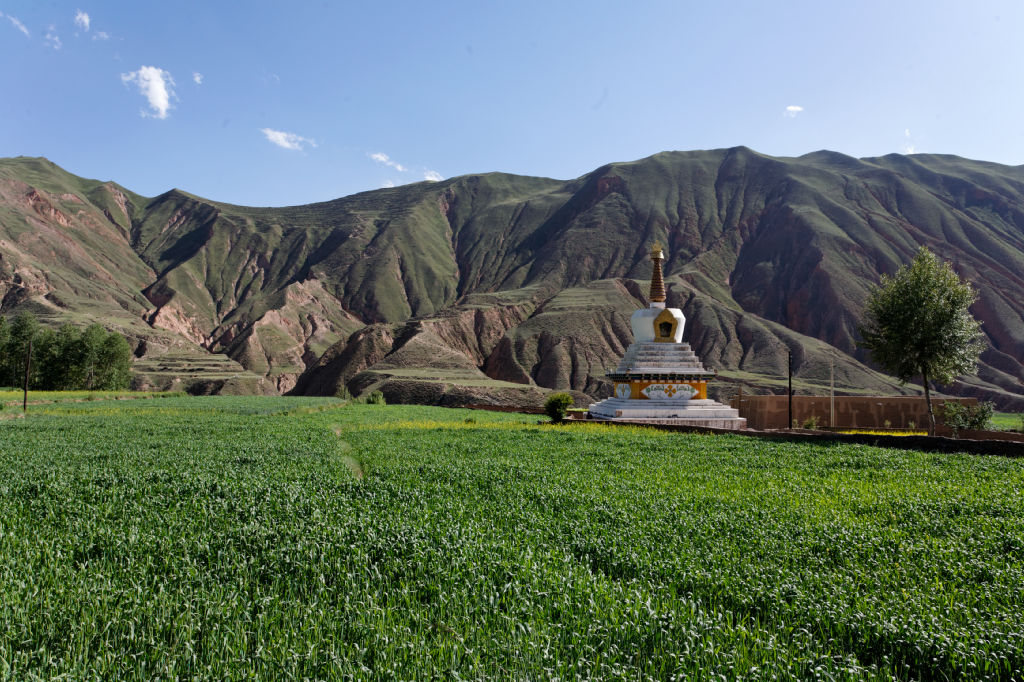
<point x="300" y="538"/>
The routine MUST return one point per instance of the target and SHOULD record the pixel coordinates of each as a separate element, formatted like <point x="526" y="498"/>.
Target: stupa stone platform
<point x="660" y="380"/>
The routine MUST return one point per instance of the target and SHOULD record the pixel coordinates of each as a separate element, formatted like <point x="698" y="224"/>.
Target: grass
<point x="231" y="538"/>
<point x="1007" y="421"/>
<point x="13" y="397"/>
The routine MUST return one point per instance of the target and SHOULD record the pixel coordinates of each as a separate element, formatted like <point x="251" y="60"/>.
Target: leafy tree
<point x="66" y="372"/>
<point x="67" y="359"/>
<point x="557" y="405"/>
<point x="43" y="344"/>
<point x="113" y="364"/>
<point x="917" y="323"/>
<point x="23" y="329"/>
<point x="89" y="349"/>
<point x="5" y="335"/>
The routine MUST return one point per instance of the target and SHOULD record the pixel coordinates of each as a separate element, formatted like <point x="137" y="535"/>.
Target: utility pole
<point x="789" y="424"/>
<point x="28" y="367"/>
<point x="832" y="393"/>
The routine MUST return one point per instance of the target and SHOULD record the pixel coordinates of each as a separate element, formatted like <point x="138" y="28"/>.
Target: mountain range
<point x="497" y="288"/>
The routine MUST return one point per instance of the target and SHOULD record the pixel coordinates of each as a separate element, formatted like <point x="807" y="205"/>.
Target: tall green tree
<point x="43" y="347"/>
<point x="66" y="360"/>
<point x="89" y="349"/>
<point x="917" y="323"/>
<point x="23" y="329"/>
<point x="5" y="335"/>
<point x="113" y="364"/>
<point x="67" y="373"/>
<point x="58" y="359"/>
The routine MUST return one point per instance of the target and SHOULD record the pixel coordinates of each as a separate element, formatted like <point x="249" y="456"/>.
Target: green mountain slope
<point x="481" y="282"/>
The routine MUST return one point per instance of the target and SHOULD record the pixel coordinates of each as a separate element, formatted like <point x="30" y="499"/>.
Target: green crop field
<point x="1006" y="421"/>
<point x="302" y="538"/>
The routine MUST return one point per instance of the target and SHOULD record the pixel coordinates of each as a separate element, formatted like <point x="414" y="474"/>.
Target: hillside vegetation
<point x="455" y="291"/>
<point x="300" y="538"/>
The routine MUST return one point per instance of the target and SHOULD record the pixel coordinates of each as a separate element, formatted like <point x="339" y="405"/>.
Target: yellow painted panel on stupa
<point x="647" y="390"/>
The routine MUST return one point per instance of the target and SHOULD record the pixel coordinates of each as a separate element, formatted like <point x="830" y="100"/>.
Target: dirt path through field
<point x="344" y="453"/>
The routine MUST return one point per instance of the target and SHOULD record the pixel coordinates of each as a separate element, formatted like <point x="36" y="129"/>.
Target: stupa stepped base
<point x="707" y="413"/>
<point x="725" y="424"/>
<point x="659" y="358"/>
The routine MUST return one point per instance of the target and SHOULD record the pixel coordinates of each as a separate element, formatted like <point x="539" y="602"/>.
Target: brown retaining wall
<point x="858" y="412"/>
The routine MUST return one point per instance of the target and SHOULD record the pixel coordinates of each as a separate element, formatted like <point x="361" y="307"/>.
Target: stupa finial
<point x="657" y="282"/>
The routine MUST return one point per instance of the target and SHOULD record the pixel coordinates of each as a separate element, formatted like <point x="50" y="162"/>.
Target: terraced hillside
<point x="493" y="287"/>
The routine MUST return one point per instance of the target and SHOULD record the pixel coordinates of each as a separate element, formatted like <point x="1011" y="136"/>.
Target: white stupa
<point x="660" y="380"/>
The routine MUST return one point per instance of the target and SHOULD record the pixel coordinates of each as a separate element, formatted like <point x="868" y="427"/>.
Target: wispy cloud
<point x="101" y="35"/>
<point x="792" y="110"/>
<point x="82" y="20"/>
<point x="908" y="142"/>
<point x="380" y="157"/>
<point x="197" y="78"/>
<point x="287" y="140"/>
<point x="156" y="85"/>
<point x="16" y="23"/>
<point x="51" y="38"/>
<point x="433" y="176"/>
<point x="387" y="184"/>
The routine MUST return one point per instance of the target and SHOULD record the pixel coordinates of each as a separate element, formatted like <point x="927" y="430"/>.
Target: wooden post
<point x="28" y="367"/>
<point x="789" y="424"/>
<point x="832" y="393"/>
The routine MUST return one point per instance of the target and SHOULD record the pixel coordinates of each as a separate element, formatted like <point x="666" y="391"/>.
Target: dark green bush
<point x="960" y="417"/>
<point x="557" y="405"/>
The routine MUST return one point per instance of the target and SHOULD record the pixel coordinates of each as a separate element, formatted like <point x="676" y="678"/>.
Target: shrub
<point x="343" y="392"/>
<point x="980" y="416"/>
<point x="811" y="423"/>
<point x="376" y="398"/>
<point x="557" y="405"/>
<point x="960" y="417"/>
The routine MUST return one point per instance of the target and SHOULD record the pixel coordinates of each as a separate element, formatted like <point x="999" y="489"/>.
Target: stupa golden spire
<point x="657" y="282"/>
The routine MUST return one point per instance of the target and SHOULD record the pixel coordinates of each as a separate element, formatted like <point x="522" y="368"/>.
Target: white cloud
<point x="380" y="157"/>
<point x="287" y="140"/>
<point x="82" y="20"/>
<point x="156" y="85"/>
<point x="792" y="110"/>
<point x="17" y="24"/>
<point x="101" y="35"/>
<point x="51" y="38"/>
<point x="387" y="183"/>
<point x="908" y="145"/>
<point x="433" y="176"/>
<point x="197" y="78"/>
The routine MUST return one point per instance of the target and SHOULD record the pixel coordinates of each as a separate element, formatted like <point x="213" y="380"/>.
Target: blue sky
<point x="268" y="103"/>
